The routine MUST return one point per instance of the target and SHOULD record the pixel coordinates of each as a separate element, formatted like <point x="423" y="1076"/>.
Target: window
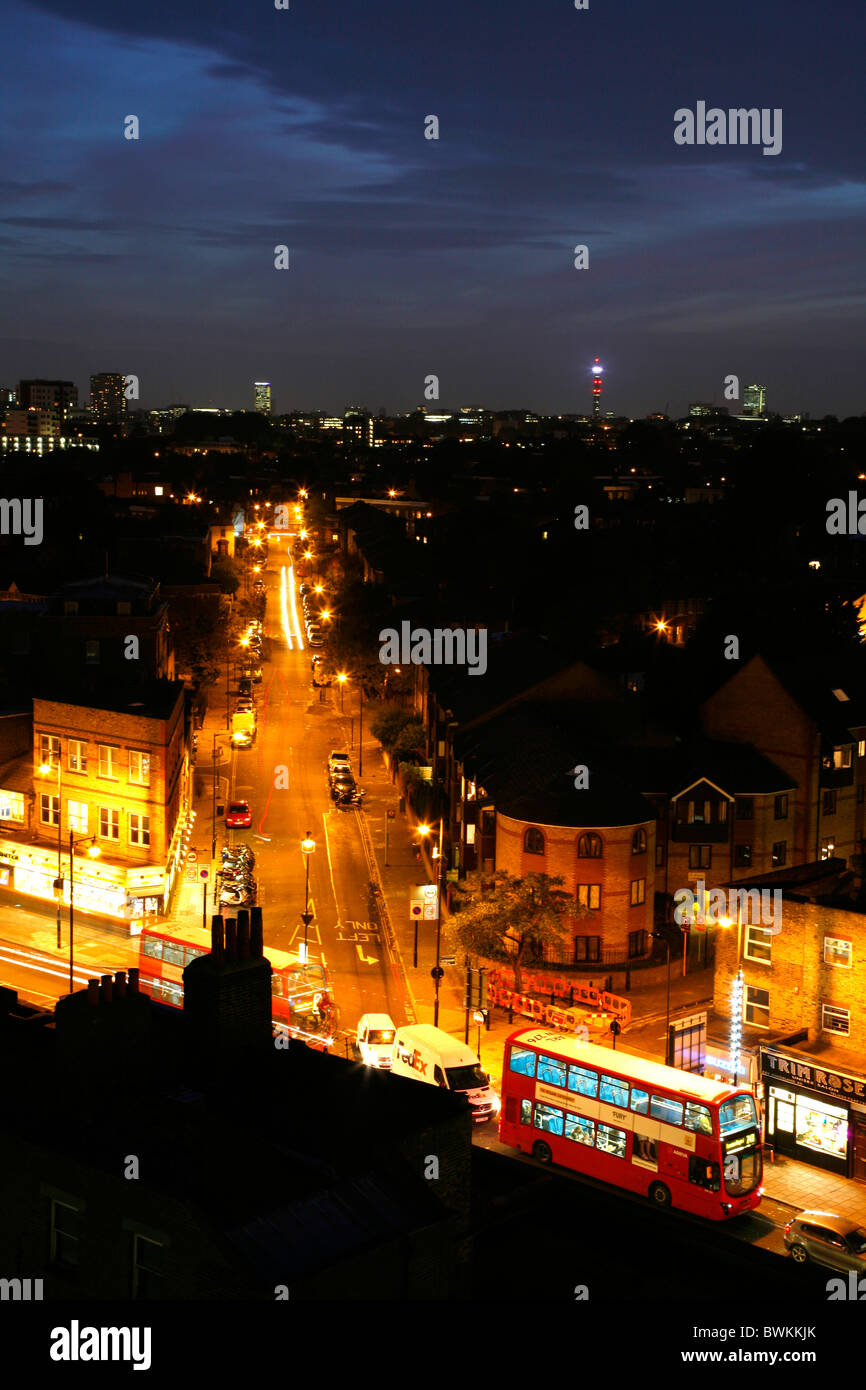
<point x="583" y="1081"/>
<point x="758" y="944"/>
<point x="638" y="944"/>
<point x="667" y="1110"/>
<point x="526" y="1112"/>
<point x="589" y="895"/>
<point x="107" y="760"/>
<point x="77" y="813"/>
<point x="11" y="806"/>
<point x="548" y="1118"/>
<point x="522" y="1061"/>
<point x="638" y="842"/>
<point x="147" y="1267"/>
<point x="835" y="1020"/>
<point x="65" y="1234"/>
<point x="861" y="794"/>
<point x="587" y="948"/>
<point x="139" y="768"/>
<point x="49" y="750"/>
<point x="842" y="756"/>
<point x="551" y="1071"/>
<point x="828" y="803"/>
<point x="828" y="846"/>
<point x="77" y="756"/>
<point x="611" y="1141"/>
<point x="139" y="829"/>
<point x="698" y="1118"/>
<point x="580" y="1130"/>
<point x="700" y="856"/>
<point x="780" y="808"/>
<point x="91" y="653"/>
<point x="639" y="1101"/>
<point x="780" y="853"/>
<point x="758" y="1006"/>
<point x="742" y="856"/>
<point x="703" y="1173"/>
<point x="837" y="952"/>
<point x="638" y="891"/>
<point x="589" y="846"/>
<point x="660" y="856"/>
<point x="109" y="823"/>
<point x="49" y="809"/>
<point x="614" y="1091"/>
<point x="861" y="748"/>
<point x="744" y="808"/>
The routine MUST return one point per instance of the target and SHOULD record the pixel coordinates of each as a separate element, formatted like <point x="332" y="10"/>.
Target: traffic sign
<point x="448" y="960"/>
<point x="615" y="1027"/>
<point x="437" y="972"/>
<point x="191" y="856"/>
<point x="204" y="875"/>
<point x="391" y="815"/>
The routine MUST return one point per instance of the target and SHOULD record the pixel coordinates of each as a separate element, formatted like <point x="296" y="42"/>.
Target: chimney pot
<point x="132" y="986"/>
<point x="92" y="993"/>
<point x="231" y="939"/>
<point x="216" y="938"/>
<point x="105" y="991"/>
<point x="257" y="935"/>
<point x="244" y="934"/>
<point x="120" y="984"/>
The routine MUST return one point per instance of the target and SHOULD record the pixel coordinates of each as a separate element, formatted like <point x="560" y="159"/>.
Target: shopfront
<point x="812" y="1113"/>
<point x="32" y="870"/>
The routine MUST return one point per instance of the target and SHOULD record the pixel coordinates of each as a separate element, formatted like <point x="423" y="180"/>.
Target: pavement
<point x="391" y="845"/>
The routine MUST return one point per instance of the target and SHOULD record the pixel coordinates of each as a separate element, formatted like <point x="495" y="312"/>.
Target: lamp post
<point x="94" y="853"/>
<point x="308" y="848"/>
<point x="438" y="856"/>
<point x="341" y="681"/>
<point x="660" y="936"/>
<point x="360" y="730"/>
<point x="46" y="768"/>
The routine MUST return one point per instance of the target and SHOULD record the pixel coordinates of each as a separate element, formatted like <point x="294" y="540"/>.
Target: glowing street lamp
<point x="438" y="856"/>
<point x="45" y="769"/>
<point x="341" y="681"/>
<point x="308" y="848"/>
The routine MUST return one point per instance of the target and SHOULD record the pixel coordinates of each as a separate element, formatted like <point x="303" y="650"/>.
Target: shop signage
<point x="829" y="1083"/>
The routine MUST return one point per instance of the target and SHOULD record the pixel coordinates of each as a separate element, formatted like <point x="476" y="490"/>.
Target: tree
<point x="226" y="573"/>
<point x="388" y="725"/>
<point x="409" y="741"/>
<point x="508" y="918"/>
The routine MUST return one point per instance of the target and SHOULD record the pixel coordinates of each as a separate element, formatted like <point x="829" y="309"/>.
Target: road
<point x="284" y="778"/>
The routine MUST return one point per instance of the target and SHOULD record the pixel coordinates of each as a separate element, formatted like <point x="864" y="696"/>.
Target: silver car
<point x="826" y="1238"/>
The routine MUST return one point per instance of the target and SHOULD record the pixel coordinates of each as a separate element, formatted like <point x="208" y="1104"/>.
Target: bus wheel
<point x="541" y="1151"/>
<point x="800" y="1254"/>
<point x="660" y="1195"/>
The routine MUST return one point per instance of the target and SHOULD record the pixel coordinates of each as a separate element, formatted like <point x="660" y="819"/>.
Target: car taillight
<point x="788" y="1227"/>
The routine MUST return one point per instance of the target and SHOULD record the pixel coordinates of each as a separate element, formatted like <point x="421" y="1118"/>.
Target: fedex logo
<point x="418" y="1064"/>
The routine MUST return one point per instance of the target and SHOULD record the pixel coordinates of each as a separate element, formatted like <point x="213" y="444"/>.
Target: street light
<point x="308" y="848"/>
<point x="94" y="851"/>
<point x="439" y="857"/>
<point x="341" y="681"/>
<point x="660" y="936"/>
<point x="45" y="768"/>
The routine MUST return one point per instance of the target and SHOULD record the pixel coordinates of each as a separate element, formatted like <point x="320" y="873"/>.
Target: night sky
<point x="411" y="256"/>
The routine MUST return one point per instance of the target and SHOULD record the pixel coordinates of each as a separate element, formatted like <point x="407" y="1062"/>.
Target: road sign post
<point x="204" y="875"/>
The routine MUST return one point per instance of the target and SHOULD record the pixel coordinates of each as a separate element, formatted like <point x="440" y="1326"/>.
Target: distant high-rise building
<point x="755" y="400"/>
<point x="262" y="396"/>
<point x="39" y="394"/>
<point x="596" y="388"/>
<point x="701" y="408"/>
<point x="358" y="422"/>
<point x="107" y="398"/>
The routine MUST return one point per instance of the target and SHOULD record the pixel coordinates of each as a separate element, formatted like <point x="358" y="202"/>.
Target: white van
<point x="429" y="1054"/>
<point x="376" y="1039"/>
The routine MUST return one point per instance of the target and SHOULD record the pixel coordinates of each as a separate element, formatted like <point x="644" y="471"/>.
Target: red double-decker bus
<point x="679" y="1139"/>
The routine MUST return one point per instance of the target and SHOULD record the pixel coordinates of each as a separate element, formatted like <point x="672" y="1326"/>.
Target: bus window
<point x="526" y="1112"/>
<point x="522" y="1061"/>
<point x="584" y="1082"/>
<point x="670" y="1111"/>
<point x="614" y="1091"/>
<point x="738" y="1113"/>
<point x="639" y="1101"/>
<point x="548" y="1118"/>
<point x="151" y="946"/>
<point x="704" y="1174"/>
<point x="580" y="1130"/>
<point x="552" y="1070"/>
<point x="698" y="1118"/>
<point x="172" y="953"/>
<point x="611" y="1141"/>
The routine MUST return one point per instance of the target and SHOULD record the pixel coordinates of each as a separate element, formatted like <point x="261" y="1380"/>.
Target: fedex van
<point x="376" y="1034"/>
<point x="429" y="1054"/>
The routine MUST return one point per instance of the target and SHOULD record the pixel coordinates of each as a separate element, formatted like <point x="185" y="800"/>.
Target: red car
<point x="238" y="815"/>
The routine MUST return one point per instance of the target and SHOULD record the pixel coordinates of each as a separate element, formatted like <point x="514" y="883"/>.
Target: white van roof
<point x="451" y="1052"/>
<point x="378" y="1021"/>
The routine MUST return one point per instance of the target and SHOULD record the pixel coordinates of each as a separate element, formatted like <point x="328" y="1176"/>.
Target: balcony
<point x="837" y="777"/>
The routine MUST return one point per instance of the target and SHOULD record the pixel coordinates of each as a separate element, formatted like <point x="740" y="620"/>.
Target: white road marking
<point x="366" y="960"/>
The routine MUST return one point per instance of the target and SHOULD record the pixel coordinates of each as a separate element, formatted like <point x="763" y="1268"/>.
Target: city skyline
<point x="411" y="256"/>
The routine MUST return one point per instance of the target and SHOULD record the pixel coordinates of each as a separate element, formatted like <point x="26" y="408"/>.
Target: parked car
<point x="245" y="685"/>
<point x="305" y="589"/>
<point x="826" y="1238"/>
<point x="338" y="761"/>
<point x="239" y="815"/>
<point x="316" y="641"/>
<point x="245" y="738"/>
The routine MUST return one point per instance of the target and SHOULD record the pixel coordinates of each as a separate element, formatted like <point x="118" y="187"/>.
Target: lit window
<point x="139" y="768"/>
<point x="109" y="823"/>
<point x="837" y="952"/>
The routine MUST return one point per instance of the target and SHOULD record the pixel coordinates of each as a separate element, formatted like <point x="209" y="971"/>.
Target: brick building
<point x="803" y="991"/>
